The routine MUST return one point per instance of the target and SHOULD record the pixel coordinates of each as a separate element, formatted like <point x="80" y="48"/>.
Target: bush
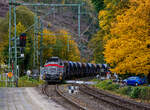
<point x="112" y="87"/>
<point x="104" y="84"/>
<point x="125" y="90"/>
<point x="135" y="92"/>
<point x="141" y="92"/>
<point x="145" y="93"/>
<point x="107" y="85"/>
<point x="29" y="82"/>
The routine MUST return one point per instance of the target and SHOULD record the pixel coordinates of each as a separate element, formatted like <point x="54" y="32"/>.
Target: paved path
<point x="25" y="99"/>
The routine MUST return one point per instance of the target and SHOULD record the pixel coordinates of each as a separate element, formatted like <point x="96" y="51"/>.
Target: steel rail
<point x="45" y="91"/>
<point x="69" y="100"/>
<point x="97" y="94"/>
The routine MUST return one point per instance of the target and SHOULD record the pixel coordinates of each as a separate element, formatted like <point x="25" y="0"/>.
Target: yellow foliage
<point x="20" y="29"/>
<point x="61" y="45"/>
<point x="49" y="37"/>
<point x="127" y="50"/>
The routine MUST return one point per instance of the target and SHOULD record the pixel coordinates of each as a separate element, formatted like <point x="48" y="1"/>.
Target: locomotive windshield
<point x="53" y="59"/>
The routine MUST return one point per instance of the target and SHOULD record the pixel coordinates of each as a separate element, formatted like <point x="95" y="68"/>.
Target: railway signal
<point x="23" y="40"/>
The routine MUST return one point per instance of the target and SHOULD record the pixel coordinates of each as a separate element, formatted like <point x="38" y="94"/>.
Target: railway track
<point x="90" y="98"/>
<point x="72" y="101"/>
<point x="113" y="100"/>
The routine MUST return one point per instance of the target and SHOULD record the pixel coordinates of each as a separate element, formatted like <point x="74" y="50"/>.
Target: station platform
<point x="25" y="99"/>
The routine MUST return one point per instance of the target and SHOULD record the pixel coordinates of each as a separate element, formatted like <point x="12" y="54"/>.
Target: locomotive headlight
<point x="60" y="77"/>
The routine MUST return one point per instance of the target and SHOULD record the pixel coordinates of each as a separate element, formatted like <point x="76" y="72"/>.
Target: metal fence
<point x="5" y="81"/>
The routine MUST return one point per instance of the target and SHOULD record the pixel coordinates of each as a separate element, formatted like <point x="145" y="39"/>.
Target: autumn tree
<point x="60" y="44"/>
<point x="106" y="16"/>
<point x="25" y="18"/>
<point x="127" y="50"/>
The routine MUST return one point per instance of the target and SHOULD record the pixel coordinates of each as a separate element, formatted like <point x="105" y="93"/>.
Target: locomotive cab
<point x="54" y="68"/>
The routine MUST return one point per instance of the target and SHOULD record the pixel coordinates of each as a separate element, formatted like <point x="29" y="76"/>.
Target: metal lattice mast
<point x="35" y="38"/>
<point x="10" y="54"/>
<point x="79" y="17"/>
<point x="37" y="45"/>
<point x="15" y="44"/>
<point x="79" y="22"/>
<point x="41" y="44"/>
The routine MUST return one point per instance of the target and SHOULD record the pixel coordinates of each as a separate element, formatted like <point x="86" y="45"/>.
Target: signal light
<point x="23" y="40"/>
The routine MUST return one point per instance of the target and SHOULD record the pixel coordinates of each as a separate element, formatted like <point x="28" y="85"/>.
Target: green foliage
<point x="135" y="92"/>
<point x="107" y="85"/>
<point x="98" y="4"/>
<point x="125" y="90"/>
<point x="141" y="92"/>
<point x="26" y="81"/>
<point x="145" y="93"/>
<point x="25" y="17"/>
<point x="96" y="44"/>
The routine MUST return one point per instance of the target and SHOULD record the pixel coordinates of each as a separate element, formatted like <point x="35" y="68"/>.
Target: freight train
<point x="57" y="70"/>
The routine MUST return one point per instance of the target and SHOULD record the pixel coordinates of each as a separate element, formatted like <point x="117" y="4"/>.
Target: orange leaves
<point x="127" y="50"/>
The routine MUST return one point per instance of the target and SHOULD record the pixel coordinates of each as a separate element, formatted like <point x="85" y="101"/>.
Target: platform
<point x="25" y="99"/>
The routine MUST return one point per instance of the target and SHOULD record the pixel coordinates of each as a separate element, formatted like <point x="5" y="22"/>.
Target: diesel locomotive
<point x="56" y="70"/>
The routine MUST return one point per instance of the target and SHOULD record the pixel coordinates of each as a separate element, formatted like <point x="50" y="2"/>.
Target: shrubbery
<point x="25" y="81"/>
<point x="136" y="92"/>
<point x="125" y="90"/>
<point x="140" y="92"/>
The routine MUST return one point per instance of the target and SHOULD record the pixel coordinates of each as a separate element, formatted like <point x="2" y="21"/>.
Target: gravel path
<point x="26" y="99"/>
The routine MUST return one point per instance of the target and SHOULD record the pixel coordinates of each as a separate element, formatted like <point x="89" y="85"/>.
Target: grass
<point x="24" y="81"/>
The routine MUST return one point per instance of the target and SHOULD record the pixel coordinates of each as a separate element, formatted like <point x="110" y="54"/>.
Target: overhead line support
<point x="9" y="62"/>
<point x="40" y="4"/>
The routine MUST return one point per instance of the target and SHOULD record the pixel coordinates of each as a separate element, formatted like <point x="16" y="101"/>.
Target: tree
<point x="127" y="50"/>
<point x="106" y="17"/>
<point x="96" y="45"/>
<point x="57" y="45"/>
<point x="25" y="18"/>
<point x="98" y="4"/>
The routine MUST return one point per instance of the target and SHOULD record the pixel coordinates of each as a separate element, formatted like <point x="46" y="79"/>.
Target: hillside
<point x="3" y="7"/>
<point x="66" y="18"/>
